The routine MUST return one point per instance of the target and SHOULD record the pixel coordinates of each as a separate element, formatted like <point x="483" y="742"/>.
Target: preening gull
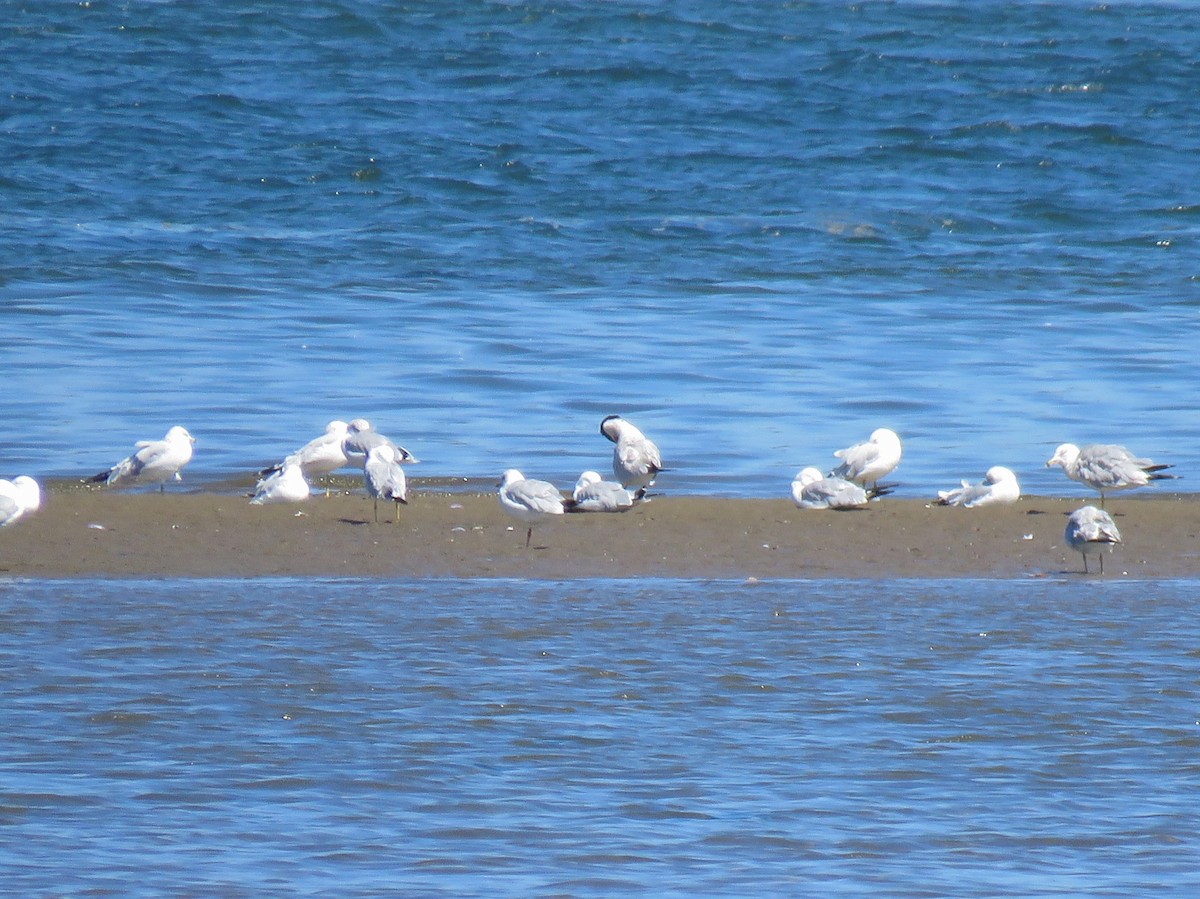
<point x="1106" y="466"/>
<point x="999" y="486"/>
<point x="636" y="460"/>
<point x="287" y="485"/>
<point x="593" y="494"/>
<point x="153" y="462"/>
<point x="320" y="456"/>
<point x="813" y="490"/>
<point x="530" y="501"/>
<point x="385" y="478"/>
<point x="1092" y="531"/>
<point x="18" y="497"/>
<point x="865" y="463"/>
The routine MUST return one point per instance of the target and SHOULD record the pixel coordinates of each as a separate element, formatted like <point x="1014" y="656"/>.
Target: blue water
<point x="354" y="738"/>
<point x="757" y="230"/>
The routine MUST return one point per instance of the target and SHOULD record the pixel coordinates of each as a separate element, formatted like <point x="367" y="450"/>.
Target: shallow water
<point x="758" y="232"/>
<point x="466" y="737"/>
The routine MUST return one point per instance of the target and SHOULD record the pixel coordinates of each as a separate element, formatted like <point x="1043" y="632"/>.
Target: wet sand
<point x="443" y="533"/>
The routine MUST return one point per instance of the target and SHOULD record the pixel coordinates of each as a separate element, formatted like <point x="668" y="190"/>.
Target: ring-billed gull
<point x="18" y="497"/>
<point x="999" y="486"/>
<point x="594" y="494"/>
<point x="813" y="490"/>
<point x="385" y="478"/>
<point x="865" y="463"/>
<point x="1106" y="466"/>
<point x="320" y="456"/>
<point x="287" y="485"/>
<point x="1093" y="532"/>
<point x="361" y="436"/>
<point x="530" y="501"/>
<point x="154" y="462"/>
<point x="636" y="459"/>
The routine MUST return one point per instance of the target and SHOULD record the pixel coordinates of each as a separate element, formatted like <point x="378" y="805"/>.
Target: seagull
<point x="1106" y="466"/>
<point x="636" y="460"/>
<point x="320" y="456"/>
<point x="530" y="501"/>
<point x="384" y="477"/>
<point x="866" y="463"/>
<point x="999" y="486"/>
<point x="813" y="490"/>
<point x="17" y="497"/>
<point x="155" y="461"/>
<point x="361" y="436"/>
<point x="592" y="494"/>
<point x="1092" y="531"/>
<point x="287" y="485"/>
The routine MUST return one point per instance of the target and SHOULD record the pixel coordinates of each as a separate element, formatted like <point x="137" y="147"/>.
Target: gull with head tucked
<point x="153" y="462"/>
<point x="285" y="485"/>
<point x="636" y="459"/>
<point x="1106" y="466"/>
<point x="530" y="501"/>
<point x="1092" y="531"/>
<point x="593" y="494"/>
<point x="813" y="490"/>
<point x="999" y="486"/>
<point x="18" y="497"/>
<point x="865" y="463"/>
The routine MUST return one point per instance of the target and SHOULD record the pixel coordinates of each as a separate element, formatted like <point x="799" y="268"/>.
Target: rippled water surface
<point x="457" y="738"/>
<point x="758" y="230"/>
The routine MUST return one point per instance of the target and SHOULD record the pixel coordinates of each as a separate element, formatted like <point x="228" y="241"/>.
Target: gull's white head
<point x="809" y="475"/>
<point x="29" y="493"/>
<point x="358" y="425"/>
<point x="336" y="427"/>
<point x="885" y="436"/>
<point x="587" y="479"/>
<point x="510" y="476"/>
<point x="999" y="474"/>
<point x="1065" y="455"/>
<point x="178" y="433"/>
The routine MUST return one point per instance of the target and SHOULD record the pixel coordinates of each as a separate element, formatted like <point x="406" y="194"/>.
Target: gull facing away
<point x="385" y="478"/>
<point x="155" y="461"/>
<point x="361" y="436"/>
<point x="636" y="460"/>
<point x="287" y="485"/>
<point x="593" y="494"/>
<point x="530" y="501"/>
<point x="865" y="463"/>
<point x="813" y="490"/>
<point x="18" y="497"/>
<point x="998" y="487"/>
<point x="1106" y="466"/>
<point x="1093" y="532"/>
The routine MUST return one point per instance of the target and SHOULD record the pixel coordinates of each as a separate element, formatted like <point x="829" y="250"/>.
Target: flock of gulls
<point x="636" y="464"/>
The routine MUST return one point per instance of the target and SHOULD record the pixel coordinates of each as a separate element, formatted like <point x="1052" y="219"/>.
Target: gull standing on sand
<point x="1106" y="466"/>
<point x="287" y="485"/>
<point x="361" y="437"/>
<point x="593" y="494"/>
<point x="1092" y="531"/>
<point x="636" y="460"/>
<point x="813" y="490"/>
<point x="320" y="456"/>
<point x="384" y="477"/>
<point x="865" y="463"/>
<point x="530" y="501"/>
<point x="998" y="487"/>
<point x="155" y="461"/>
<point x="18" y="497"/>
